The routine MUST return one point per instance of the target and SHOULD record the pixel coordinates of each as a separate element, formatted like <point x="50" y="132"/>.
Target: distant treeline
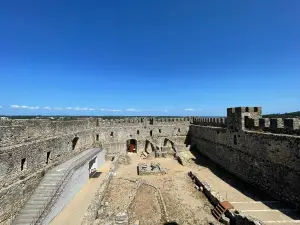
<point x="81" y="117"/>
<point x="283" y="115"/>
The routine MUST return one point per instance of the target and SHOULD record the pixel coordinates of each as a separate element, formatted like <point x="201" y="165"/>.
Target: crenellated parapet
<point x="274" y="125"/>
<point x="144" y="120"/>
<point x="237" y="116"/>
<point x="243" y="118"/>
<point x="210" y="121"/>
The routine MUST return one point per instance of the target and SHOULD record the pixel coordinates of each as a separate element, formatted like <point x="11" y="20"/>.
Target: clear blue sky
<point x="156" y="57"/>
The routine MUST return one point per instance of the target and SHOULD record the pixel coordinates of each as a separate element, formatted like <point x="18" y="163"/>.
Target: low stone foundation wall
<point x="151" y="169"/>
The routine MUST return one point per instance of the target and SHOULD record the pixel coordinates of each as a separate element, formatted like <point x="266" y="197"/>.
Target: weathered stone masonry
<point x="243" y="143"/>
<point x="28" y="148"/>
<point x="267" y="160"/>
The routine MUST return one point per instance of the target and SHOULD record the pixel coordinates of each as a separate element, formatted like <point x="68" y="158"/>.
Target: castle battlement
<point x="145" y="120"/>
<point x="243" y="118"/>
<point x="207" y="121"/>
<point x="274" y="125"/>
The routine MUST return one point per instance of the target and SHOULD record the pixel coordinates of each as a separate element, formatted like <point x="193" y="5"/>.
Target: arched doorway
<point x="132" y="145"/>
<point x="168" y="143"/>
<point x="169" y="146"/>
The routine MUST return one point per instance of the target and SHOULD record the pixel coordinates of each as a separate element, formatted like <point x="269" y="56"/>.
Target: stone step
<point x="38" y="199"/>
<point x="50" y="182"/>
<point x="22" y="222"/>
<point x="47" y="189"/>
<point x="42" y="194"/>
<point x="52" y="178"/>
<point x="48" y="185"/>
<point x="33" y="205"/>
<point x="55" y="174"/>
<point x="28" y="215"/>
<point x="30" y="211"/>
<point x="25" y="218"/>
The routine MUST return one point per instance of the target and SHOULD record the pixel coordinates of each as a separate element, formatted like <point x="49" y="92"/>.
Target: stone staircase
<point x="220" y="209"/>
<point x="49" y="188"/>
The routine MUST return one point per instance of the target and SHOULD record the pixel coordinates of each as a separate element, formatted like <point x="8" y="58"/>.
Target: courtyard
<point x="162" y="198"/>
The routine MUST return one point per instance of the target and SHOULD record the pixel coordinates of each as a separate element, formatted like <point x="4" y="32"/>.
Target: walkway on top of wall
<point x="48" y="187"/>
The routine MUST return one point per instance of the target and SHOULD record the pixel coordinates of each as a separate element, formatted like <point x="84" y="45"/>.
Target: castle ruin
<point x="262" y="152"/>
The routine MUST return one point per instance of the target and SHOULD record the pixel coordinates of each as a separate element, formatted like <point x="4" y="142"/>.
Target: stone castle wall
<point x="269" y="161"/>
<point x="241" y="143"/>
<point x="114" y="136"/>
<point x="28" y="148"/>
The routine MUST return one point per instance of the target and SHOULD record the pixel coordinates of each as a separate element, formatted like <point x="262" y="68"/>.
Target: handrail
<point x="70" y="168"/>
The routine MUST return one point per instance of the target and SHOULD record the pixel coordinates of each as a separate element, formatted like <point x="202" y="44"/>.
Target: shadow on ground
<point x="95" y="175"/>
<point x="242" y="186"/>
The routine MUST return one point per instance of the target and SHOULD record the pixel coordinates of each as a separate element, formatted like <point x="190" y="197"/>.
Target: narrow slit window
<point x="48" y="157"/>
<point x="235" y="140"/>
<point x="23" y="164"/>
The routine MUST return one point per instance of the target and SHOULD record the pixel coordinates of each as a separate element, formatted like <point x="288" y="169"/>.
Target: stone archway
<point x="149" y="147"/>
<point x="131" y="145"/>
<point x="168" y="146"/>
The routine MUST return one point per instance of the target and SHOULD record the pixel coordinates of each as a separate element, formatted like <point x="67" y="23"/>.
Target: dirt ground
<point x="155" y="199"/>
<point x="171" y="198"/>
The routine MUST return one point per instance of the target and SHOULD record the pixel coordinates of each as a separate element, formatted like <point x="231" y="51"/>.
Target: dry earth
<point x="155" y="199"/>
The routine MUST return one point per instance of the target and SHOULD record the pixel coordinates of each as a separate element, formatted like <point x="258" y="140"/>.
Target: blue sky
<point x="133" y="57"/>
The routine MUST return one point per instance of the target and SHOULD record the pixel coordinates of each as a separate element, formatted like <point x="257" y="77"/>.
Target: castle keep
<point x="263" y="152"/>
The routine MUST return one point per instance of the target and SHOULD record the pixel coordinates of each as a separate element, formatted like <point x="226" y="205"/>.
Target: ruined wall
<point x="28" y="148"/>
<point x="150" y="134"/>
<point x="267" y="160"/>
